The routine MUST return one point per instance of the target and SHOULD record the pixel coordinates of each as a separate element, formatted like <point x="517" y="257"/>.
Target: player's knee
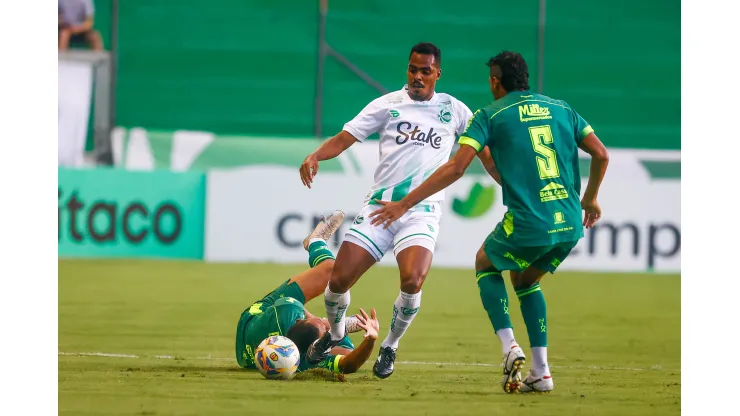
<point x="341" y="279"/>
<point x="526" y="278"/>
<point x="412" y="281"/>
<point x="481" y="261"/>
<point x="338" y="286"/>
<point x="519" y="284"/>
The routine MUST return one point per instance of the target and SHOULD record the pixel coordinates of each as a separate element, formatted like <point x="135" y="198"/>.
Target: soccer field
<point x="157" y="338"/>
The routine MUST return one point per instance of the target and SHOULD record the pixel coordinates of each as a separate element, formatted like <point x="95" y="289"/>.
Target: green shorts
<point x="285" y="290"/>
<point x="508" y="256"/>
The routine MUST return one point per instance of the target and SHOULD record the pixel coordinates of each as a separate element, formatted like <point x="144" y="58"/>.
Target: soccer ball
<point x="277" y="358"/>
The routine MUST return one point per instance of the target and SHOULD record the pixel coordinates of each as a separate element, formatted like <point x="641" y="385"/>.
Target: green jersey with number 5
<point x="534" y="142"/>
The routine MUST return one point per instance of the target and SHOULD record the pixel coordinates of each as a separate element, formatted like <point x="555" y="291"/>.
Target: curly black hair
<point x="303" y="335"/>
<point x="511" y="70"/>
<point x="426" y="48"/>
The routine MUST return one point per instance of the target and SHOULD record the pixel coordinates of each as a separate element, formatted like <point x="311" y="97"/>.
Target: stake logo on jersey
<point x="416" y="138"/>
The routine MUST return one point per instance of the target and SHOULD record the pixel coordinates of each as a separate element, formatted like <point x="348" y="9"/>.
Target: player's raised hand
<point x="309" y="168"/>
<point x="385" y="216"/>
<point x="591" y="212"/>
<point x="369" y="324"/>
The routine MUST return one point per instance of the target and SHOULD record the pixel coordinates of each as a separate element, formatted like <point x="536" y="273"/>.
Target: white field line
<point x="209" y="358"/>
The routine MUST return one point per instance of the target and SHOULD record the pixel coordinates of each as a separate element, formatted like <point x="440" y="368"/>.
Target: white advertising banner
<point x="75" y="92"/>
<point x="261" y="213"/>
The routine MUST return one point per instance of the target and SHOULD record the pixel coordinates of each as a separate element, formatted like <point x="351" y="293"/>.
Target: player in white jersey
<point x="418" y="128"/>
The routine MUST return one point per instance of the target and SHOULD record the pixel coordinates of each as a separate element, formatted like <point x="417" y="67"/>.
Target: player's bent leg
<point x="414" y="263"/>
<point x="352" y="262"/>
<point x="364" y="245"/>
<point x="496" y="303"/>
<point x="495" y="298"/>
<point x="414" y="260"/>
<point x="321" y="260"/>
<point x="313" y="281"/>
<point x="534" y="312"/>
<point x="532" y="300"/>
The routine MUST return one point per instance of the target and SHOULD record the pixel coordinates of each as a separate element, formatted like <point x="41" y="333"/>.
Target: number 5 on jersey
<point x="547" y="163"/>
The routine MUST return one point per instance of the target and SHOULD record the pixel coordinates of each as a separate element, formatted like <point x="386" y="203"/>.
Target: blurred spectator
<point x="76" y="25"/>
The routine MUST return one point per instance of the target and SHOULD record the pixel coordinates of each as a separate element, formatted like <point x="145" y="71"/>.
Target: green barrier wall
<point x="117" y="213"/>
<point x="249" y="66"/>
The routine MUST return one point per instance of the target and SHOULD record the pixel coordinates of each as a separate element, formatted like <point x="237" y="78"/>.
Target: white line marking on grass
<point x="450" y="364"/>
<point x="99" y="354"/>
<point x="590" y="367"/>
<point x="210" y="358"/>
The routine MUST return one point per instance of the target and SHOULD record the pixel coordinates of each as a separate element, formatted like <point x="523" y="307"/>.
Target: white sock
<point x="404" y="311"/>
<point x="336" y="306"/>
<point x="539" y="362"/>
<point x="506" y="336"/>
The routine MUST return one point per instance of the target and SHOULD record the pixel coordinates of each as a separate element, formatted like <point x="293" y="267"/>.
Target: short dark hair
<point x="303" y="335"/>
<point x="514" y="75"/>
<point x="426" y="48"/>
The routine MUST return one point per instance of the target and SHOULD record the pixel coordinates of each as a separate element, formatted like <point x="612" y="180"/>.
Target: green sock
<point x="494" y="297"/>
<point x="318" y="252"/>
<point x="534" y="311"/>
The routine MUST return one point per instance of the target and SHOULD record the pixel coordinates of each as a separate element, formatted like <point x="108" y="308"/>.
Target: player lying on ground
<point x="418" y="129"/>
<point x="534" y="140"/>
<point x="281" y="312"/>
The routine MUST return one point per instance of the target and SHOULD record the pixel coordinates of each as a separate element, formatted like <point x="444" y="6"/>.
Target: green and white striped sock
<point x="318" y="252"/>
<point x="534" y="311"/>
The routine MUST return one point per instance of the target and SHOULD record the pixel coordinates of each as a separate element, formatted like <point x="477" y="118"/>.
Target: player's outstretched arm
<point x="328" y="150"/>
<point x="488" y="163"/>
<point x="443" y="177"/>
<point x="599" y="160"/>
<point x="352" y="362"/>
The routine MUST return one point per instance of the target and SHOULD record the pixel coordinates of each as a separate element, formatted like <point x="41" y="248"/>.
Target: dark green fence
<point x="249" y="66"/>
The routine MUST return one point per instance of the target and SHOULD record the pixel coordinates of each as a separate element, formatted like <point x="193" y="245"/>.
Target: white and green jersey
<point x="416" y="138"/>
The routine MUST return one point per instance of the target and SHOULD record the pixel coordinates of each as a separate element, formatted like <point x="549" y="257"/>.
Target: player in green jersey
<point x="534" y="141"/>
<point x="281" y="312"/>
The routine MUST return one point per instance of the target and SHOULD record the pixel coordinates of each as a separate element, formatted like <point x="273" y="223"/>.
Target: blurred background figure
<point x="76" y="25"/>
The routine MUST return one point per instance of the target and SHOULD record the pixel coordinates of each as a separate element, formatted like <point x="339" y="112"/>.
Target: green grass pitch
<point x="615" y="345"/>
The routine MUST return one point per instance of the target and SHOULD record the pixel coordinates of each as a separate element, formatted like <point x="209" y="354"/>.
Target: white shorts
<point x="417" y="227"/>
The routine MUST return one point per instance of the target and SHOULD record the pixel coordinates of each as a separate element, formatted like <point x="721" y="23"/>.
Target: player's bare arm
<point x="445" y="176"/>
<point x="328" y="150"/>
<point x="308" y="314"/>
<point x="599" y="160"/>
<point x="488" y="163"/>
<point x="354" y="359"/>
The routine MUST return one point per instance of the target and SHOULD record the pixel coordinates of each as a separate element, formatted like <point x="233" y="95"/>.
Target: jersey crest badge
<point x="445" y="115"/>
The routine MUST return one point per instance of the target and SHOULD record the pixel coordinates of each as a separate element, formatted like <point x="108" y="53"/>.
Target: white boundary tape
<point x="209" y="358"/>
